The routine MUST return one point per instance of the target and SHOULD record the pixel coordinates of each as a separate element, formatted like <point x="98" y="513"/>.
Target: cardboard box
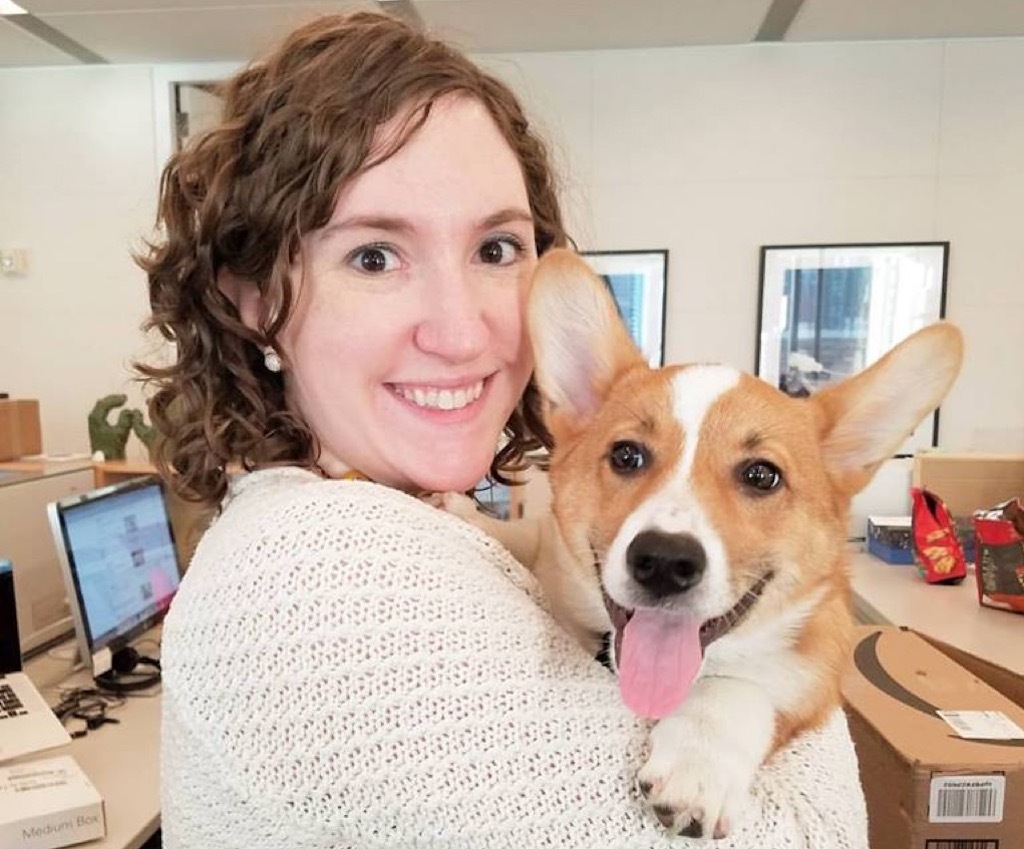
<point x="889" y="539"/>
<point x="969" y="482"/>
<point x="20" y="434"/>
<point x="933" y="783"/>
<point x="1009" y="683"/>
<point x="48" y="803"/>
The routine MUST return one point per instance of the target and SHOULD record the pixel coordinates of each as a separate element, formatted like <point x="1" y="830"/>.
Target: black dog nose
<point x="666" y="564"/>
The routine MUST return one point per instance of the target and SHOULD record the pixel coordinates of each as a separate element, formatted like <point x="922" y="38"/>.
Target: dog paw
<point x="455" y="503"/>
<point x="695" y="789"/>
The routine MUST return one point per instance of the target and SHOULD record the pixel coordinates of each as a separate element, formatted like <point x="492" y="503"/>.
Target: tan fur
<point x="592" y="502"/>
<point x="600" y="391"/>
<point x="803" y="526"/>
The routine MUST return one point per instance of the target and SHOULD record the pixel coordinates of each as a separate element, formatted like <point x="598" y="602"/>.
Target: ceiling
<point x="71" y="32"/>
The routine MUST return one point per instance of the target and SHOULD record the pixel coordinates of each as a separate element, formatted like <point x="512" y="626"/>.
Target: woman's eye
<point x="500" y="251"/>
<point x="761" y="475"/>
<point x="627" y="457"/>
<point x="374" y="259"/>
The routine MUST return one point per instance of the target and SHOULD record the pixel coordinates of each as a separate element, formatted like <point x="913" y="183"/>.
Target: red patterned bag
<point x="999" y="566"/>
<point x="937" y="550"/>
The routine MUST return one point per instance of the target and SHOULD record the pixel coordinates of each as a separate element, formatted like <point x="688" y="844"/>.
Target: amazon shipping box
<point x="941" y="752"/>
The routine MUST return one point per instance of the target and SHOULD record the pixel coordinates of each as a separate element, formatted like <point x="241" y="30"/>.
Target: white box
<point x="48" y="803"/>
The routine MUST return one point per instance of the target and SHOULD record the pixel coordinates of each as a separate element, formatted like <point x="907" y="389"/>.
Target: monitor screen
<point x="119" y="559"/>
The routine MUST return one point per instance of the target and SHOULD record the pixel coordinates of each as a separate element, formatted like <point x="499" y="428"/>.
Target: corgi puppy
<point x="700" y="514"/>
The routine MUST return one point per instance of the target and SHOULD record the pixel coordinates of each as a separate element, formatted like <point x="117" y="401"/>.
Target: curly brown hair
<point x="296" y="128"/>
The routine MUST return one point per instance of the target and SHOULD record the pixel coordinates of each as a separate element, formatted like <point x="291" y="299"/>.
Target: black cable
<point x="89" y="705"/>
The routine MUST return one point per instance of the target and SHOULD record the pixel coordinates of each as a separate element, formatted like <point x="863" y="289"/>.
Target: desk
<point x="23" y="471"/>
<point x="123" y="760"/>
<point x="104" y="473"/>
<point x="116" y="471"/>
<point x="887" y="594"/>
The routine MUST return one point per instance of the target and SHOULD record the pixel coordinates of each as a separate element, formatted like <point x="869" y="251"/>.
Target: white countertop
<point x="122" y="760"/>
<point x="892" y="594"/>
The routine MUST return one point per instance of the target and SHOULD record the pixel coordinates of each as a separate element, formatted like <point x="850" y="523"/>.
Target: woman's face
<point x="406" y="352"/>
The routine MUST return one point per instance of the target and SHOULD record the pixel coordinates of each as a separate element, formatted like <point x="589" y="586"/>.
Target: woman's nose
<point x="454" y="324"/>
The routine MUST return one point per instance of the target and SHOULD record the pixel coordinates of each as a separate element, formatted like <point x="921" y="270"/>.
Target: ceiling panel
<point x="843" y="20"/>
<point x="531" y="25"/>
<point x="222" y="33"/>
<point x="21" y="49"/>
<point x="160" y="31"/>
<point x="184" y="7"/>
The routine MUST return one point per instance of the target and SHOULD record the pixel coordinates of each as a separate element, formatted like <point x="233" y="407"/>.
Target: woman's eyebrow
<point x="507" y="216"/>
<point x="368" y="222"/>
<point x="394" y="224"/>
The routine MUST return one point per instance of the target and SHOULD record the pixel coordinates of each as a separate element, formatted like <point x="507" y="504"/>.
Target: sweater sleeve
<point x="347" y="667"/>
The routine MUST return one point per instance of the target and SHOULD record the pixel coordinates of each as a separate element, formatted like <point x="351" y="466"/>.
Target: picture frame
<point x="638" y="281"/>
<point x="828" y="311"/>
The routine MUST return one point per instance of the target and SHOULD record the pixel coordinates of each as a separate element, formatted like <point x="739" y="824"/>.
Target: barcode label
<point x="961" y="844"/>
<point x="966" y="798"/>
<point x="982" y="724"/>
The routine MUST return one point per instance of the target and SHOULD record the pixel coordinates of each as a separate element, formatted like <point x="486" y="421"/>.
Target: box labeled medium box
<point x="48" y="803"/>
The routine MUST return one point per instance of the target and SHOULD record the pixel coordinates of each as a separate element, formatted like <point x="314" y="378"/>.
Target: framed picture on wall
<point x="829" y="311"/>
<point x="638" y="282"/>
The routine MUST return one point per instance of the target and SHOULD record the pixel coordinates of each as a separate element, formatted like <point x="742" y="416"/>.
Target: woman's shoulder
<point x="294" y="502"/>
<point x="282" y="529"/>
<point x="287" y="487"/>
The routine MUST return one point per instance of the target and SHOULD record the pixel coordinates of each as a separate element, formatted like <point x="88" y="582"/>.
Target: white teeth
<point x="443" y="399"/>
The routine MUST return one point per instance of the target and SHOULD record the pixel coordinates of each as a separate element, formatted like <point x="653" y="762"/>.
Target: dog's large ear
<point x="580" y="344"/>
<point x="868" y="416"/>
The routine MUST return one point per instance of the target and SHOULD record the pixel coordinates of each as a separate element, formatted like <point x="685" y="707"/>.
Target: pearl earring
<point x="271" y="360"/>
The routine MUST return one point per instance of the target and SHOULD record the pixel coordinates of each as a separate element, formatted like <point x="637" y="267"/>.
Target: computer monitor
<point x="120" y="565"/>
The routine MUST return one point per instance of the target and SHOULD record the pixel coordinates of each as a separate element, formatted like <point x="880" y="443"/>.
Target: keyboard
<point x="10" y="704"/>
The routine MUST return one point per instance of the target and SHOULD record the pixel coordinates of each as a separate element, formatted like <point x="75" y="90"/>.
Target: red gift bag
<point x="999" y="563"/>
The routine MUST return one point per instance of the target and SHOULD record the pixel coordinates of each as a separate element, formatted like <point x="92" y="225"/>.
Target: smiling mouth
<point x="436" y="398"/>
<point x="710" y="630"/>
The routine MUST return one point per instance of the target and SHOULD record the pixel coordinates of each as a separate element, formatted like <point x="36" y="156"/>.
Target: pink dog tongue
<point x="660" y="657"/>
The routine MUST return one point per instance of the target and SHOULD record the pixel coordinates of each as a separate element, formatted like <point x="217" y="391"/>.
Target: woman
<point x="343" y="268"/>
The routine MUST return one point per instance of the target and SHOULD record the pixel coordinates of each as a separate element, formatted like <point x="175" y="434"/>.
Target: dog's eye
<point x="761" y="475"/>
<point x="628" y="458"/>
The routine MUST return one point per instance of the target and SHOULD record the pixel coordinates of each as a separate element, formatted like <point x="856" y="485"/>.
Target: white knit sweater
<point x="346" y="666"/>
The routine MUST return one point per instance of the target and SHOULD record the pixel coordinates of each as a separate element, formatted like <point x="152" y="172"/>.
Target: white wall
<point x="77" y="191"/>
<point x="709" y="152"/>
<point x="713" y="152"/>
